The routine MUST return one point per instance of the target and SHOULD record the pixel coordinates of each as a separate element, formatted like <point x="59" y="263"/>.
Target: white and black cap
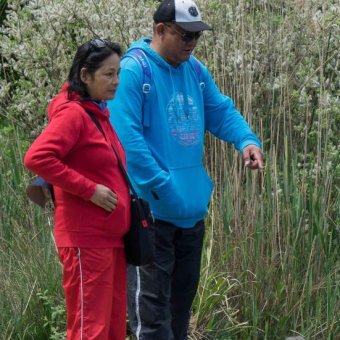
<point x="184" y="13"/>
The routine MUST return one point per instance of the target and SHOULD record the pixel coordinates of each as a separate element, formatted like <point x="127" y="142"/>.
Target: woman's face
<point x="102" y="85"/>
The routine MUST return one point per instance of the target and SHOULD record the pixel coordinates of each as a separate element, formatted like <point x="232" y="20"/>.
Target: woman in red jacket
<point x="92" y="201"/>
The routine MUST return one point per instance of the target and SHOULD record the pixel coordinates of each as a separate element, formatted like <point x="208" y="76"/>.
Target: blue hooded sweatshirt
<point x="163" y="133"/>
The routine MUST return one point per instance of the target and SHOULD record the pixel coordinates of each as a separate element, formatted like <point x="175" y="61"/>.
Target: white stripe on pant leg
<point x="81" y="297"/>
<point x="139" y="323"/>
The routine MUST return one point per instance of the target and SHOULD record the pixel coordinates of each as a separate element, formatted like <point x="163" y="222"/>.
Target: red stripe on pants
<point x="94" y="282"/>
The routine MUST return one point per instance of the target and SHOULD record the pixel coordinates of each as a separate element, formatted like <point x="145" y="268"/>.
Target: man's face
<point x="178" y="44"/>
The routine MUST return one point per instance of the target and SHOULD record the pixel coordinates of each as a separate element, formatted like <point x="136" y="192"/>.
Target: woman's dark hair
<point x="89" y="55"/>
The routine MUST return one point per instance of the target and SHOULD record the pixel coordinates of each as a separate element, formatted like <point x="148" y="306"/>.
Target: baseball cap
<point x="184" y="13"/>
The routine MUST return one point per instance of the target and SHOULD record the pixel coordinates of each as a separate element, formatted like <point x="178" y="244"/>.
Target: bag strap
<point x="198" y="68"/>
<point x="120" y="163"/>
<point x="140" y="57"/>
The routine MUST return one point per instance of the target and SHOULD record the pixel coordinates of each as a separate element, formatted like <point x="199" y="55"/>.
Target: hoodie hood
<point x="144" y="44"/>
<point x="64" y="101"/>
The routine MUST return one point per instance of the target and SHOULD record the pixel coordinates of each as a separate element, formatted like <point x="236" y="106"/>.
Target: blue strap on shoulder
<point x="142" y="60"/>
<point x="197" y="66"/>
<point x="139" y="56"/>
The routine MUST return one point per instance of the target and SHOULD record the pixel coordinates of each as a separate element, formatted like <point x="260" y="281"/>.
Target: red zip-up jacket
<point x="72" y="155"/>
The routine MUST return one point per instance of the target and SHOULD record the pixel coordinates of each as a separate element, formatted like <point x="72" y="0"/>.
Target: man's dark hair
<point x="89" y="55"/>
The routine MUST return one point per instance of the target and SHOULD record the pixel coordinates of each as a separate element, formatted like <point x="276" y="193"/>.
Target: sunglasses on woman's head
<point x="96" y="45"/>
<point x="186" y="36"/>
<point x="99" y="43"/>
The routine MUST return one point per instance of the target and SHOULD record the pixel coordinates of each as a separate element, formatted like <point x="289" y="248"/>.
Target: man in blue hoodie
<point x="165" y="102"/>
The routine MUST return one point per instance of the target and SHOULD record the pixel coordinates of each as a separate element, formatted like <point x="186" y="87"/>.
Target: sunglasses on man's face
<point x="186" y="36"/>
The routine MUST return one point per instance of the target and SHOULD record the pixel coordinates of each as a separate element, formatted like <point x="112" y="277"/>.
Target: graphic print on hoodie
<point x="184" y="121"/>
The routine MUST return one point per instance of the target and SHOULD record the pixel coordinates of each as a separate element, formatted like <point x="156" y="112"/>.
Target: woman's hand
<point x="104" y="198"/>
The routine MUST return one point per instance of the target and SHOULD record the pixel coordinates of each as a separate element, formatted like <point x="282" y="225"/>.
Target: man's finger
<point x="258" y="157"/>
<point x="246" y="156"/>
<point x="253" y="164"/>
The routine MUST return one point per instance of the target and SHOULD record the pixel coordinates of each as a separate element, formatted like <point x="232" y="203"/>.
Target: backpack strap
<point x="139" y="56"/>
<point x="197" y="67"/>
<point x="141" y="59"/>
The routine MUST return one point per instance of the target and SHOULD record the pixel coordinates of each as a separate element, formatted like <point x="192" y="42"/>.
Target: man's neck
<point x="156" y="46"/>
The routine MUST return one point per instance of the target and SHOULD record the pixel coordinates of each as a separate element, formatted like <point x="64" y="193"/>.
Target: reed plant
<point x="273" y="237"/>
<point x="31" y="301"/>
<point x="270" y="267"/>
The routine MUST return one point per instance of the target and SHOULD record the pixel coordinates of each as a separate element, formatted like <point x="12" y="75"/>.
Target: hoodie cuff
<point x="88" y="193"/>
<point x="250" y="142"/>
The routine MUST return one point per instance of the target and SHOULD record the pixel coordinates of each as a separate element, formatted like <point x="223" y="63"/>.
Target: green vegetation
<point x="271" y="261"/>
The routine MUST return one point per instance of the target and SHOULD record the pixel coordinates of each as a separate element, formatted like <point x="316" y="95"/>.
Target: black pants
<point x="160" y="295"/>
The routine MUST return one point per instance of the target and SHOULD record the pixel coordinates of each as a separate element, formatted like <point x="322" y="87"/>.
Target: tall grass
<point x="270" y="266"/>
<point x="31" y="305"/>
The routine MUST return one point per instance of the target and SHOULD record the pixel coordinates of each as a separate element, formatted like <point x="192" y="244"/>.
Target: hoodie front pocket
<point x="187" y="194"/>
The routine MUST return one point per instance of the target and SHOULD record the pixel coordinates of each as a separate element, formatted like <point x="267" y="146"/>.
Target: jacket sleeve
<point x="222" y="119"/>
<point x="126" y="112"/>
<point x="45" y="156"/>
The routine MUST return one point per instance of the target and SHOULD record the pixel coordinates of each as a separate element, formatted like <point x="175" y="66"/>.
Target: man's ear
<point x="84" y="76"/>
<point x="160" y="29"/>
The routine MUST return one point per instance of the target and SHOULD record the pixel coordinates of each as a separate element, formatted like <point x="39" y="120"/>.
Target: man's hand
<point x="104" y="198"/>
<point x="253" y="157"/>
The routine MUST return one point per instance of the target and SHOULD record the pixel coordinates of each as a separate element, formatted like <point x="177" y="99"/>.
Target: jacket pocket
<point x="185" y="195"/>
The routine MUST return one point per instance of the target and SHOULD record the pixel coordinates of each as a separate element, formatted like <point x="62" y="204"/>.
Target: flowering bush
<point x="38" y="42"/>
<point x="278" y="61"/>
